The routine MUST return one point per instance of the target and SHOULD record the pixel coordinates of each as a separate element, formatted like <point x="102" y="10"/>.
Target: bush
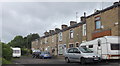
<point x="4" y="61"/>
<point x="6" y="52"/>
<point x="25" y="51"/>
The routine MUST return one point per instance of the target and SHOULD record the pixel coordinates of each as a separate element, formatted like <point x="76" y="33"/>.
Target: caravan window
<point x="83" y="46"/>
<point x="15" y="51"/>
<point x="90" y="46"/>
<point x="115" y="46"/>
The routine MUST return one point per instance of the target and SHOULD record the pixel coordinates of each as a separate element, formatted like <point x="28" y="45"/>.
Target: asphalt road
<point x="28" y="61"/>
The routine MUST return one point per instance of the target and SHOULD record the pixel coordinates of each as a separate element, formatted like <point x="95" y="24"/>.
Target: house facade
<point x="101" y="23"/>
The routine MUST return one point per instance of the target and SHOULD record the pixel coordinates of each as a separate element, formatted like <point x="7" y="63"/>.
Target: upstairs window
<point x="52" y="38"/>
<point x="97" y="23"/>
<point x="71" y="34"/>
<point x="46" y="40"/>
<point x="60" y="36"/>
<point x="84" y="29"/>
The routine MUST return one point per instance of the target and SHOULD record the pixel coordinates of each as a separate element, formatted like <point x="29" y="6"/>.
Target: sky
<point x="23" y="18"/>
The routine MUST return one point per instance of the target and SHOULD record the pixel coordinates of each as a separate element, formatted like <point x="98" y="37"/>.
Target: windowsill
<point x="84" y="36"/>
<point x="98" y="29"/>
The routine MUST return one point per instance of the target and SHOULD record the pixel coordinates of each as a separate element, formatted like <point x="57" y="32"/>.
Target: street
<point x="29" y="60"/>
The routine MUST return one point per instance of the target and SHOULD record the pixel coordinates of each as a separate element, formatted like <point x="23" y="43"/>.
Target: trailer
<point x="108" y="47"/>
<point x="16" y="52"/>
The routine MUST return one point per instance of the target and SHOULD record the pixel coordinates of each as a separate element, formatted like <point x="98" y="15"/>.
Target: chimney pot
<point x="63" y="26"/>
<point x="73" y="22"/>
<point x="57" y="29"/>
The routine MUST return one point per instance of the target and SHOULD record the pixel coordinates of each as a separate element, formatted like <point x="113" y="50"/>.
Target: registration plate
<point x="96" y="59"/>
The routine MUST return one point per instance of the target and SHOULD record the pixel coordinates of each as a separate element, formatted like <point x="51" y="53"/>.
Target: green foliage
<point x="23" y="42"/>
<point x="18" y="41"/>
<point x="4" y="61"/>
<point x="24" y="51"/>
<point x="6" y="52"/>
<point x="0" y="49"/>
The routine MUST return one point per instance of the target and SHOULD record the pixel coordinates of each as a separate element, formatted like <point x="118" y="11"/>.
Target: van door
<point x="99" y="48"/>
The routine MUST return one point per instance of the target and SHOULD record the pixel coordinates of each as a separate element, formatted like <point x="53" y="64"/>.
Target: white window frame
<point x="41" y="41"/>
<point x="60" y="36"/>
<point x="46" y="40"/>
<point x="52" y="38"/>
<point x="84" y="29"/>
<point x="71" y="34"/>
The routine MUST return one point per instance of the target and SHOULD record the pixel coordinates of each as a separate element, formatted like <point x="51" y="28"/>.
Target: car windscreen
<point x="45" y="53"/>
<point x="85" y="50"/>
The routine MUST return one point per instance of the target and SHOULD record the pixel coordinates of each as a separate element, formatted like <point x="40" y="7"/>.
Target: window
<point x="52" y="38"/>
<point x="76" y="50"/>
<point x="71" y="45"/>
<point x="70" y="51"/>
<point x="84" y="29"/>
<point x="83" y="46"/>
<point x="60" y="36"/>
<point x="77" y="45"/>
<point x="41" y="41"/>
<point x="71" y="33"/>
<point x="90" y="46"/>
<point x="16" y="51"/>
<point x="115" y="46"/>
<point x="46" y="41"/>
<point x="97" y="22"/>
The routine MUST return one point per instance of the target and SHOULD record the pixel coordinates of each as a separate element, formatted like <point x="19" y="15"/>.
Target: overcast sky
<point x="23" y="18"/>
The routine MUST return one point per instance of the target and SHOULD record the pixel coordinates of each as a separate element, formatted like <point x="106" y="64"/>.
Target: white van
<point x="108" y="47"/>
<point x="16" y="52"/>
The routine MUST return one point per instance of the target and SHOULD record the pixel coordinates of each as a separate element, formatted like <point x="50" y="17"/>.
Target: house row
<point x="101" y="23"/>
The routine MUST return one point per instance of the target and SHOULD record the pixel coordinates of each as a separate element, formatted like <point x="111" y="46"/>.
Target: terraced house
<point x="101" y="23"/>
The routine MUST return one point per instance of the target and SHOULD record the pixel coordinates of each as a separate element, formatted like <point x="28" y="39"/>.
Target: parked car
<point x="44" y="55"/>
<point x="36" y="53"/>
<point x="81" y="54"/>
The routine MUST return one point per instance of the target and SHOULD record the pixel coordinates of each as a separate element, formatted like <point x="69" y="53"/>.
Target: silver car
<point x="82" y="54"/>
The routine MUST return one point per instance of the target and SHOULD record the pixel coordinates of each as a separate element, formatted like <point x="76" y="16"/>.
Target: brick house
<point x="103" y="22"/>
<point x="100" y="23"/>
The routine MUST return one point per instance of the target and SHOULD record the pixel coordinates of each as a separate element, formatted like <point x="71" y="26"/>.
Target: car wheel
<point x="83" y="61"/>
<point x="67" y="60"/>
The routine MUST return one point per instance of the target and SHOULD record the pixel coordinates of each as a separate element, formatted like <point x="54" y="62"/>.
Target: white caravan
<point x="108" y="47"/>
<point x="16" y="52"/>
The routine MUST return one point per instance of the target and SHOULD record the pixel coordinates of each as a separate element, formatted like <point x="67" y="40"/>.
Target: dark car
<point x="44" y="55"/>
<point x="36" y="54"/>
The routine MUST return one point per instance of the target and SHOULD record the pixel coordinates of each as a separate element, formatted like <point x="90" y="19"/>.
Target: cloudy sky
<point x="23" y="18"/>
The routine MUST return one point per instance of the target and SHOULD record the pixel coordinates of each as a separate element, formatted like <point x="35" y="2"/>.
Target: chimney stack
<point x="51" y="31"/>
<point x="73" y="22"/>
<point x="64" y="26"/>
<point x="57" y="29"/>
<point x="83" y="18"/>
<point x="46" y="33"/>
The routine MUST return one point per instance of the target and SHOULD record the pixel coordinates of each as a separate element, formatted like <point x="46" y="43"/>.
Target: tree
<point x="6" y="51"/>
<point x="18" y="41"/>
<point x="23" y="42"/>
<point x="30" y="38"/>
